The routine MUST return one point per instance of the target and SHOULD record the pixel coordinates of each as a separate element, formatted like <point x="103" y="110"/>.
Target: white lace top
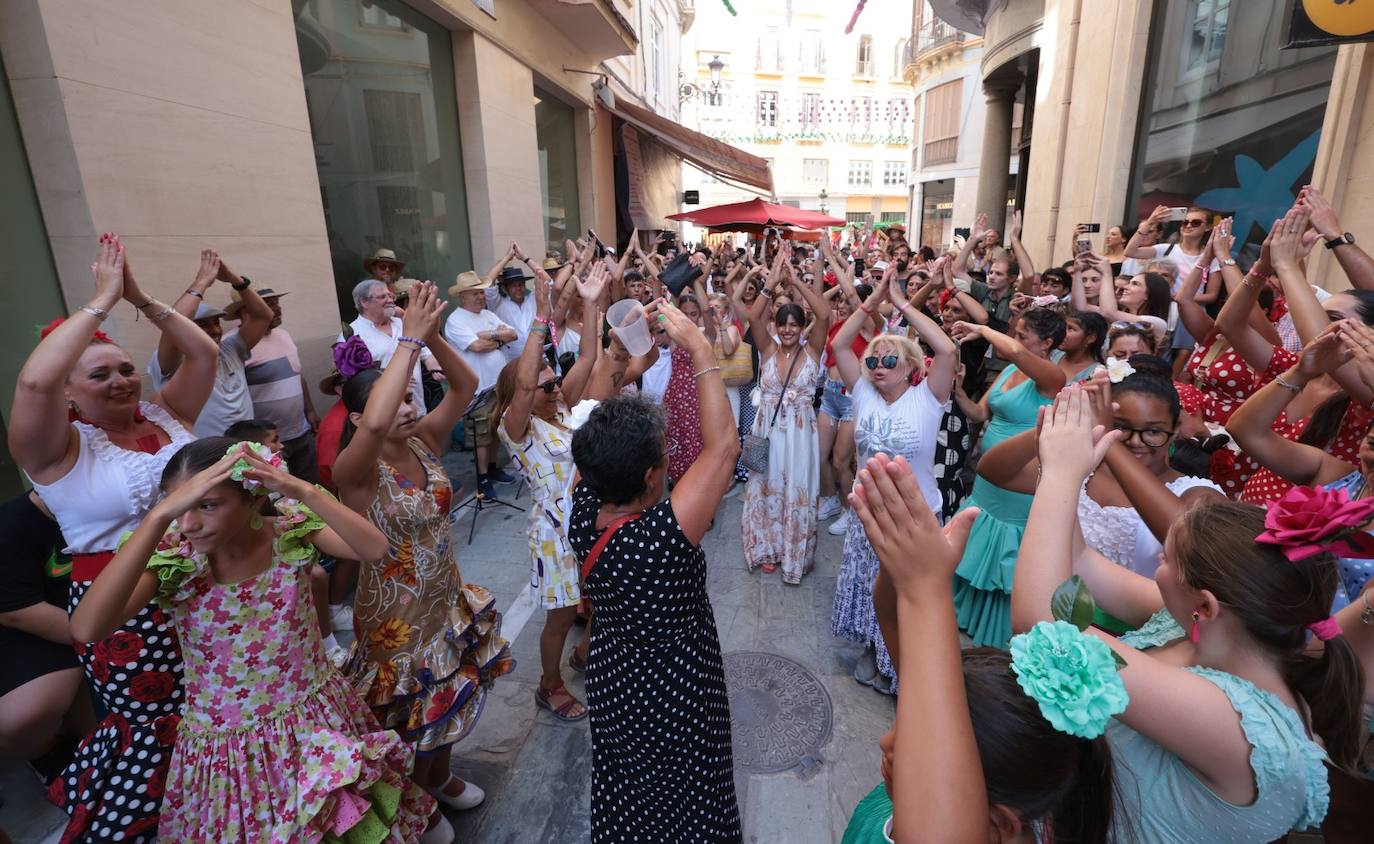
<point x="109" y="489"/>
<point x="1120" y="535"/>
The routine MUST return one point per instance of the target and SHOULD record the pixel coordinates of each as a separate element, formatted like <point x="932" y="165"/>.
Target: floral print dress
<point x="428" y="646"/>
<point x="779" y="517"/>
<point x="545" y="457"/>
<point x="273" y="743"/>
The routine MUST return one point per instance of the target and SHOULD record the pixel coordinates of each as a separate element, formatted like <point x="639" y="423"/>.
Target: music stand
<point x="477" y="501"/>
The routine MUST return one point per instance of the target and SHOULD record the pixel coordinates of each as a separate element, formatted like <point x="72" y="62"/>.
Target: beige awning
<point x="715" y="157"/>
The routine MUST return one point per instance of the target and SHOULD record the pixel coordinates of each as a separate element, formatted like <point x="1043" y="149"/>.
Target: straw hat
<point x="552" y="264"/>
<point x="404" y="287"/>
<point x="231" y="311"/>
<point x="382" y="255"/>
<point x="468" y="281"/>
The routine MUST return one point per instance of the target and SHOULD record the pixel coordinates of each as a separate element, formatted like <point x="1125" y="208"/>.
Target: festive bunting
<point x="729" y="8"/>
<point x="858" y="10"/>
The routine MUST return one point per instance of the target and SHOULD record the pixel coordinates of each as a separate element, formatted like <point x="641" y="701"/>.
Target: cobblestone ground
<point x="537" y="770"/>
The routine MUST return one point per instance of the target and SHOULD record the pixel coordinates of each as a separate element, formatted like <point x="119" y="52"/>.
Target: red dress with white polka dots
<point x="1264" y="486"/>
<point x="1212" y="394"/>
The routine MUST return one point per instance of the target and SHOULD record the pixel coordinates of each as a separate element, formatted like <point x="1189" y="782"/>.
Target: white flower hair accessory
<point x="578" y="416"/>
<point x="1118" y="370"/>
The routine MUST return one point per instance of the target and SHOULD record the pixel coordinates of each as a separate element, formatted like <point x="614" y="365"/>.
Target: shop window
<point x="557" y="142"/>
<point x="1230" y="121"/>
<point x="379" y="90"/>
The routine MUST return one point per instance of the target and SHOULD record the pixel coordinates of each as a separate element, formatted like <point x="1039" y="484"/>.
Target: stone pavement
<point x="537" y="770"/>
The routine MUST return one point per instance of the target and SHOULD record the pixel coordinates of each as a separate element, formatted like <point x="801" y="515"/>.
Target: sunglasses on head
<point x="887" y="362"/>
<point x="1122" y="324"/>
<point x="550" y="385"/>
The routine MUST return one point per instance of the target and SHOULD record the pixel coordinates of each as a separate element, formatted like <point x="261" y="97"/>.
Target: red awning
<point x="756" y="214"/>
<point x="711" y="155"/>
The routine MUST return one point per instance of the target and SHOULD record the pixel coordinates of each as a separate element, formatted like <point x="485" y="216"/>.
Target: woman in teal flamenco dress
<point x="982" y="582"/>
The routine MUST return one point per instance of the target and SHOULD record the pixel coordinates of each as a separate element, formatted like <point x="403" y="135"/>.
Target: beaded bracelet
<point x="540" y="327"/>
<point x="419" y="344"/>
<point x="1286" y="384"/>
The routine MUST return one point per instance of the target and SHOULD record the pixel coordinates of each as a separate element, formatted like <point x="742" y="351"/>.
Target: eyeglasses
<point x="382" y="297"/>
<point x="549" y="386"/>
<point x="1152" y="437"/>
<point x="887" y="362"/>
<point x="1191" y="224"/>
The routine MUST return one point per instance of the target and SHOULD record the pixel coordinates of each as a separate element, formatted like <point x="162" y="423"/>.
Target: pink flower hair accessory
<point x="1326" y="629"/>
<point x="1307" y="521"/>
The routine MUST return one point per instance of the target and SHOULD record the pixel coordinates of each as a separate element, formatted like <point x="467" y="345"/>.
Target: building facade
<point x="298" y="136"/>
<point x="1131" y="105"/>
<point x="832" y="113"/>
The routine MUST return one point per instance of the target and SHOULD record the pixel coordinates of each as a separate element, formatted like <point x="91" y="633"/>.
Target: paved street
<point x="537" y="771"/>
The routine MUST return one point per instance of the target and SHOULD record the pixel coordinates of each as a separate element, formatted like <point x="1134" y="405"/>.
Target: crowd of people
<point x="1107" y="521"/>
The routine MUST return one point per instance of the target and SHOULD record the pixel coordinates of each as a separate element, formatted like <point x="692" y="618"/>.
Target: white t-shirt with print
<point x="908" y="426"/>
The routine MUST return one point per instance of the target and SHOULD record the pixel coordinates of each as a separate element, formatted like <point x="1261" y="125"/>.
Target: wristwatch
<point x="244" y="281"/>
<point x="1340" y="241"/>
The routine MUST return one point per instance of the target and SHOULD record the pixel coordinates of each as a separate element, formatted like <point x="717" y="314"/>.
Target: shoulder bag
<point x="754" y="448"/>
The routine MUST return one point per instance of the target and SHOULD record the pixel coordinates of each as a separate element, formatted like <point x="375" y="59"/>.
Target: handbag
<point x="754" y="448"/>
<point x="737" y="369"/>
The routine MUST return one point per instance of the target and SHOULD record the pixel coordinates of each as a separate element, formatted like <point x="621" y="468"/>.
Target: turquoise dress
<point x="1164" y="801"/>
<point x="982" y="582"/>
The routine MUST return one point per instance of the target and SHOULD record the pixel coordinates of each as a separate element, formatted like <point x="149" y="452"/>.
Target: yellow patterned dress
<point x="428" y="646"/>
<point x="545" y="456"/>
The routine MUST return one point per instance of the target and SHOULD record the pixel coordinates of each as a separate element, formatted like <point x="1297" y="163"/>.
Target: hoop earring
<point x="1193" y="635"/>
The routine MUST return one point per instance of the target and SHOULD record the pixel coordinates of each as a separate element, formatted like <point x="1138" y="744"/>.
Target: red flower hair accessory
<point x="99" y="336"/>
<point x="1307" y="521"/>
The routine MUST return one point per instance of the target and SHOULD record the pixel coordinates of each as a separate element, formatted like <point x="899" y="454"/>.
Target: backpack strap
<point x="602" y="541"/>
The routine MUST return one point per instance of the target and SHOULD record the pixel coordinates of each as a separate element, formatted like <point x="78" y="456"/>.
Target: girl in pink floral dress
<point x="273" y="745"/>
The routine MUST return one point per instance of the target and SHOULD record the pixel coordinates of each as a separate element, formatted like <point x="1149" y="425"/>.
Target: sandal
<point x="580" y="666"/>
<point x="768" y="568"/>
<point x="565" y="710"/>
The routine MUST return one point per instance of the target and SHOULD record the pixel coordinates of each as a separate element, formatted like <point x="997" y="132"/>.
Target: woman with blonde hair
<point x="892" y="416"/>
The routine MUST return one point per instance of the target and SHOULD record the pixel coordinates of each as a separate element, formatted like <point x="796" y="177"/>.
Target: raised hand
<point x="1324" y="218"/>
<point x="590" y="288"/>
<point x="543" y="294"/>
<point x="1071" y="441"/>
<point x="1158" y="216"/>
<point x="679" y="328"/>
<point x="189" y="492"/>
<point x="962" y="332"/>
<point x="108" y="271"/>
<point x="1221" y="240"/>
<point x="132" y="292"/>
<point x="422" y="314"/>
<point x="210" y="265"/>
<point x="1285" y="244"/>
<point x="1014" y="230"/>
<point x="1326" y="353"/>
<point x="914" y="551"/>
<point x="980" y="227"/>
<point x="274" y="478"/>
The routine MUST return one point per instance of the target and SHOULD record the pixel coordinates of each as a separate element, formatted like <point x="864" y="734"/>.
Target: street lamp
<point x="689" y="90"/>
<point x="823" y="196"/>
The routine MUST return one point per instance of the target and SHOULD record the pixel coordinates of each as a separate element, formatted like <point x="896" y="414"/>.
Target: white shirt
<point x="383" y="346"/>
<point x="1183" y="263"/>
<point x="908" y="426"/>
<point x="519" y="317"/>
<point x="654" y="382"/>
<point x="461" y="331"/>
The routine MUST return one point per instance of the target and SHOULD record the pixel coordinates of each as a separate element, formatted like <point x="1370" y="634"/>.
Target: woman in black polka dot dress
<point x="662" y="768"/>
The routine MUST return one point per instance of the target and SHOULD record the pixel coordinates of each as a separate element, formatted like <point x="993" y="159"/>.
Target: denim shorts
<point x="836" y="401"/>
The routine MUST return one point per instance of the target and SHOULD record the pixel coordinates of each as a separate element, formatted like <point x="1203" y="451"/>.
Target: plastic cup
<point x="626" y="319"/>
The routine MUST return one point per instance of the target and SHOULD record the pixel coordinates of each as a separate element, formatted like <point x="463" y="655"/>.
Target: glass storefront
<point x="1229" y="121"/>
<point x="383" y="113"/>
<point x="553" y="121"/>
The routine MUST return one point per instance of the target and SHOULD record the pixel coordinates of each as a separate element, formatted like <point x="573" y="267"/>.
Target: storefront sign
<point x="1314" y="23"/>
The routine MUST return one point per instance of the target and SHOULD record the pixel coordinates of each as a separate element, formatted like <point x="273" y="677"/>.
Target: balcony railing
<point x="936" y="33"/>
<point x="863" y="68"/>
<point x="943" y="151"/>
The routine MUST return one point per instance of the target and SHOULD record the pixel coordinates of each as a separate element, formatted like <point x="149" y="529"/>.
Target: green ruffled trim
<point x="375" y="825"/>
<point x="1160" y="629"/>
<point x="171" y="563"/>
<point x="295" y="523"/>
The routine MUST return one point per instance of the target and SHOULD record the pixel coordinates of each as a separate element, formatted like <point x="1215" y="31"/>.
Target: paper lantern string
<point x="858" y="10"/>
<point x="730" y="9"/>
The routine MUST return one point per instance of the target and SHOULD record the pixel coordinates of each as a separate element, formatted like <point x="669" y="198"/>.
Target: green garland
<point x="730" y="9"/>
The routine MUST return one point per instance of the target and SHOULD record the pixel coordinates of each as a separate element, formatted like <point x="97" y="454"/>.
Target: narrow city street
<point x="805" y="733"/>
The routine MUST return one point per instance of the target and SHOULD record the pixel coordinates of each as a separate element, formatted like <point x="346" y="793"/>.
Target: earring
<point x="256" y="523"/>
<point x="1173" y="448"/>
<point x="73" y="412"/>
<point x="1193" y="631"/>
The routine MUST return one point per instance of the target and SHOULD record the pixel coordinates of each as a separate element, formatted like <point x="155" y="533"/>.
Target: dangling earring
<point x="1193" y="631"/>
<point x="256" y="524"/>
<point x="1173" y="448"/>
<point x="73" y="412"/>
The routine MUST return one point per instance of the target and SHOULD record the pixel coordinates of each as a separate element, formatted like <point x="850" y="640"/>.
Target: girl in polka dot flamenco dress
<point x="273" y="744"/>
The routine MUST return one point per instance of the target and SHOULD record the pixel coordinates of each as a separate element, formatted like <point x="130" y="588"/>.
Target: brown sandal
<point x="564" y="710"/>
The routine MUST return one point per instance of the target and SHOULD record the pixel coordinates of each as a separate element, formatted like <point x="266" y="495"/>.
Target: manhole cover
<point x="780" y="714"/>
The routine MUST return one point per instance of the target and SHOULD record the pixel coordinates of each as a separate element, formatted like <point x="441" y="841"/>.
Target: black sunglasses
<point x="1189" y="224"/>
<point x="887" y="361"/>
<point x="550" y="385"/>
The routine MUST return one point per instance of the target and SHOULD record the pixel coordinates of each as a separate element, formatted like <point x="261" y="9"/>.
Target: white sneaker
<point x="441" y="833"/>
<point x="829" y="509"/>
<point x="341" y="617"/>
<point x="471" y="797"/>
<point x="840" y="525"/>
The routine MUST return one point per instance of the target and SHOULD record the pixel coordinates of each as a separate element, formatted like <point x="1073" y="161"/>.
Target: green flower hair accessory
<point x="1071" y="675"/>
<point x="242" y="465"/>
